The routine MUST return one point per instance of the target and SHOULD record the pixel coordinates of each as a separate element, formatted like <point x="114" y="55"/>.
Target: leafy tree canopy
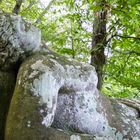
<point x="67" y="28"/>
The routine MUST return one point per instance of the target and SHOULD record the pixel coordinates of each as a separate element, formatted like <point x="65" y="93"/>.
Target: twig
<point x="29" y="6"/>
<point x="42" y="14"/>
<point x="126" y="37"/>
<point x="128" y="52"/>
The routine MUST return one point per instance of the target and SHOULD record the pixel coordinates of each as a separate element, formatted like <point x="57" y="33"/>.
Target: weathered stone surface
<point x="129" y="120"/>
<point x="54" y="91"/>
<point x="50" y="85"/>
<point x="116" y="117"/>
<point x="59" y="134"/>
<point x="17" y="40"/>
<point x="38" y="84"/>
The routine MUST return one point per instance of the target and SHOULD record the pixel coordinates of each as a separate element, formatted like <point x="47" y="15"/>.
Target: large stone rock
<point x="51" y="90"/>
<point x="17" y="40"/>
<point x="54" y="91"/>
<point x="39" y="81"/>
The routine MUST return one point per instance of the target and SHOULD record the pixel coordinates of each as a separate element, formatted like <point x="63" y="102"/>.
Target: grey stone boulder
<point x="54" y="91"/>
<point x="17" y="40"/>
<point x="39" y="80"/>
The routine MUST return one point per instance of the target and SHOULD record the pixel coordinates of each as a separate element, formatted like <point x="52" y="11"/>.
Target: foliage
<point x="67" y="28"/>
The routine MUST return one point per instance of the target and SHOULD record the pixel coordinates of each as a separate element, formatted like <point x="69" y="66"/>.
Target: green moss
<point x="24" y="108"/>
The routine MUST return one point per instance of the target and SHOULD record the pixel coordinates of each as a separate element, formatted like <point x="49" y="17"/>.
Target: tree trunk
<point x="17" y="6"/>
<point x="99" y="42"/>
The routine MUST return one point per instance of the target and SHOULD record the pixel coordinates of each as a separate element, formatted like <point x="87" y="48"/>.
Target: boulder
<point x="38" y="83"/>
<point x="54" y="91"/>
<point x="54" y="98"/>
<point x="18" y="39"/>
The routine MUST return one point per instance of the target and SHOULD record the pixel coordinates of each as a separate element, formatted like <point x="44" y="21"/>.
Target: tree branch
<point x="45" y="10"/>
<point x="128" y="52"/>
<point x="126" y="37"/>
<point x="113" y="26"/>
<point x="29" y="6"/>
<point x="121" y="36"/>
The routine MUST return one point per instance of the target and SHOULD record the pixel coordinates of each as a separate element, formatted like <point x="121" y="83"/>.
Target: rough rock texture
<point x="54" y="91"/>
<point x="39" y="82"/>
<point x="17" y="40"/>
<point x="79" y="107"/>
<point x="59" y="134"/>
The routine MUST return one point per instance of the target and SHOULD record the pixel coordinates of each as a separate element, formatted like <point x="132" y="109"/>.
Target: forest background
<point x="104" y="33"/>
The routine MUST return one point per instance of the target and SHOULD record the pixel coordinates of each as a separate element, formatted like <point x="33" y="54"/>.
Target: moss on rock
<point x="79" y="107"/>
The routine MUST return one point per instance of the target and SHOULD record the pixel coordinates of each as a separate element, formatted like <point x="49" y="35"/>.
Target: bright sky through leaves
<point x="45" y="2"/>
